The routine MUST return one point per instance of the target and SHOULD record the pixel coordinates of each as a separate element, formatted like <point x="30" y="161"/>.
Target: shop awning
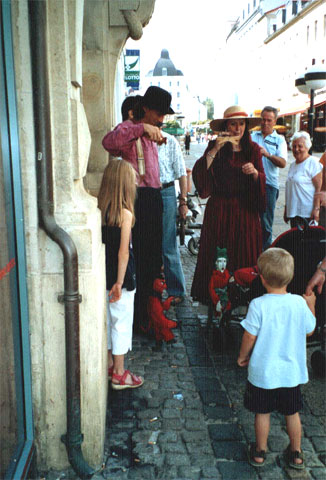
<point x="293" y="110"/>
<point x="298" y="106"/>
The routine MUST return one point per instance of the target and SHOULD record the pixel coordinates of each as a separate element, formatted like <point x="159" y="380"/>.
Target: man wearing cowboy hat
<point x="147" y="118"/>
<point x="274" y="151"/>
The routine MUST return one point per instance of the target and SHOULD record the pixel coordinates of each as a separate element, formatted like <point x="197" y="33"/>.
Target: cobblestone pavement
<point x="187" y="421"/>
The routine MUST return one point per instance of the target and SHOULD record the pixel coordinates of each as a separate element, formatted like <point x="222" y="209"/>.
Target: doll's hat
<point x="235" y="112"/>
<point x="221" y="253"/>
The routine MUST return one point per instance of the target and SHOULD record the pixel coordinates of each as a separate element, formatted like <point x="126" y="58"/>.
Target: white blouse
<point x="299" y="189"/>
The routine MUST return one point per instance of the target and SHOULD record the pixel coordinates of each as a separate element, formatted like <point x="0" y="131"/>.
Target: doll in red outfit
<point x="218" y="284"/>
<point x="161" y="325"/>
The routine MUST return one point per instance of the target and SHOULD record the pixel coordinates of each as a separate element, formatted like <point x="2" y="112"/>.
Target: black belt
<point x="167" y="185"/>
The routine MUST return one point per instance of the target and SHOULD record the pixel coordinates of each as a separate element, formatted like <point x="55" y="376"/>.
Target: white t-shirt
<point x="299" y="189"/>
<point x="281" y="323"/>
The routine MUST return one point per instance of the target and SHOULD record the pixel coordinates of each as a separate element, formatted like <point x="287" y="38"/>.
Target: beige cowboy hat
<point x="235" y="112"/>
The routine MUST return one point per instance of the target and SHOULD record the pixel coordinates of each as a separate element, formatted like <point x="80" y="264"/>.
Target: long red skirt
<point x="227" y="224"/>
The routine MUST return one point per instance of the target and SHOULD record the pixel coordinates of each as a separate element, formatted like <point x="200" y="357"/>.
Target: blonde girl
<point x="116" y="201"/>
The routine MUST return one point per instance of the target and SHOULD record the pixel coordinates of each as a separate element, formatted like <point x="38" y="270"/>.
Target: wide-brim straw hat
<point x="234" y="113"/>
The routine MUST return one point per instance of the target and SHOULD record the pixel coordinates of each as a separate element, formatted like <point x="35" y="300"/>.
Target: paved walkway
<point x="187" y="422"/>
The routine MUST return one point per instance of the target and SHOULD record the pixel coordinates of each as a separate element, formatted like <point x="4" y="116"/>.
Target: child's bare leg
<point x="118" y="364"/>
<point x="293" y="426"/>
<point x="262" y="422"/>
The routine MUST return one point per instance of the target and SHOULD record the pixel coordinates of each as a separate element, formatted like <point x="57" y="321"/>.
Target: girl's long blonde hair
<point x="117" y="191"/>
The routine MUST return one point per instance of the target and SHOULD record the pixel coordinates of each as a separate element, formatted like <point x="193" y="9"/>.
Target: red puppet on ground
<point x="218" y="284"/>
<point x="157" y="320"/>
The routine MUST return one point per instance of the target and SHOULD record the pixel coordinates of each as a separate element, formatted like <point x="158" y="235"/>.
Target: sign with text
<point x="132" y="68"/>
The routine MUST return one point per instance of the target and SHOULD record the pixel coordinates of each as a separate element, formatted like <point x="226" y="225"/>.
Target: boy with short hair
<point x="274" y="347"/>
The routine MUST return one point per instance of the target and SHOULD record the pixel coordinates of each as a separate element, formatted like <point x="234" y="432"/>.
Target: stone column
<point x="108" y="25"/>
<point x="77" y="213"/>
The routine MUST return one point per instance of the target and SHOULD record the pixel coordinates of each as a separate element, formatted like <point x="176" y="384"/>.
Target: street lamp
<point x="313" y="79"/>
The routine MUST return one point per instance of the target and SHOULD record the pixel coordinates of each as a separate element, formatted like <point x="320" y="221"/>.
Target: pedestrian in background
<point x="274" y="348"/>
<point x="144" y="130"/>
<point x="231" y="174"/>
<point x="116" y="201"/>
<point x="172" y="167"/>
<point x="274" y="152"/>
<point x="303" y="181"/>
<point x="187" y="143"/>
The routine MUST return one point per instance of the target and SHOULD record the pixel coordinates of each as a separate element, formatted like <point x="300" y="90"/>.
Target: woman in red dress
<point x="231" y="174"/>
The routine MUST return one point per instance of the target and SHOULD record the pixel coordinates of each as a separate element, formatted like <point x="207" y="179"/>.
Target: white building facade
<point x="269" y="46"/>
<point x="167" y="76"/>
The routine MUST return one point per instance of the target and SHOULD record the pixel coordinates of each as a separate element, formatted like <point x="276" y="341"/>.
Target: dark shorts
<point x="286" y="401"/>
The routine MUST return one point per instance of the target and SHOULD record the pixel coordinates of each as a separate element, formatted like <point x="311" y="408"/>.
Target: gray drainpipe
<point x="71" y="298"/>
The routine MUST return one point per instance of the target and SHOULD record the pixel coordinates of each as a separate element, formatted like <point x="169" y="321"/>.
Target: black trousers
<point x="147" y="246"/>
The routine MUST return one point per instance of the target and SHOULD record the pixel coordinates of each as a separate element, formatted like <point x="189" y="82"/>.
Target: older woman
<point x="231" y="174"/>
<point x="304" y="180"/>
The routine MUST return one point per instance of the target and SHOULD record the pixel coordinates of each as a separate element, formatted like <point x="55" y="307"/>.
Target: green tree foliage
<point x="209" y="104"/>
<point x="173" y="124"/>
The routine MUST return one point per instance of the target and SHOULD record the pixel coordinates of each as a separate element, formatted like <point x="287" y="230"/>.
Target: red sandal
<point x="121" y="379"/>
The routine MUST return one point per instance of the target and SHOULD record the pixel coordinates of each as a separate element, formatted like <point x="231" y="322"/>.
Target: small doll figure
<point x="218" y="284"/>
<point x="161" y="325"/>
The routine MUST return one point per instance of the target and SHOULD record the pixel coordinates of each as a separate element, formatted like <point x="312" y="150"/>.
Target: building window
<point x="158" y="84"/>
<point x="178" y="94"/>
<point x="164" y="72"/>
<point x="170" y="84"/>
<point x="178" y="107"/>
<point x="274" y="27"/>
<point x="178" y="83"/>
<point x="248" y="8"/>
<point x="316" y="29"/>
<point x="294" y="8"/>
<point x="243" y="14"/>
<point x="254" y="3"/>
<point x="283" y="15"/>
<point x="307" y="34"/>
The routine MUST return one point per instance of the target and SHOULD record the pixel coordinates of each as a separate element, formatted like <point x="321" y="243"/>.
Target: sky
<point x="194" y="33"/>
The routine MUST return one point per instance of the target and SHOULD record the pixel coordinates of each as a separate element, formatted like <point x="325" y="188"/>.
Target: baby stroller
<point x="307" y="245"/>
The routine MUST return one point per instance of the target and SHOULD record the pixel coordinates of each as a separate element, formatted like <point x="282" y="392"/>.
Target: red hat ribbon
<point x="237" y="114"/>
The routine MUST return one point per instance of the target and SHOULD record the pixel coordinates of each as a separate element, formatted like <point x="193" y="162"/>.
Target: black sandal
<point x="253" y="453"/>
<point x="292" y="456"/>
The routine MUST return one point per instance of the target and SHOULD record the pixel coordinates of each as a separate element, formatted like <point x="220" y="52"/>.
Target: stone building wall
<point x="83" y="49"/>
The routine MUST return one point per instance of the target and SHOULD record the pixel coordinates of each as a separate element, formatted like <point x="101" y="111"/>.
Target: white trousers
<point x="120" y="316"/>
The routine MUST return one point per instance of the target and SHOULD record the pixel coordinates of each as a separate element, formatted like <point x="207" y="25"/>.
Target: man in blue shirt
<point x="274" y="151"/>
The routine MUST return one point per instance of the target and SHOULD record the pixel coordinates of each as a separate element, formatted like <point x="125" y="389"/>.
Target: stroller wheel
<point x="318" y="363"/>
<point x="193" y="246"/>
